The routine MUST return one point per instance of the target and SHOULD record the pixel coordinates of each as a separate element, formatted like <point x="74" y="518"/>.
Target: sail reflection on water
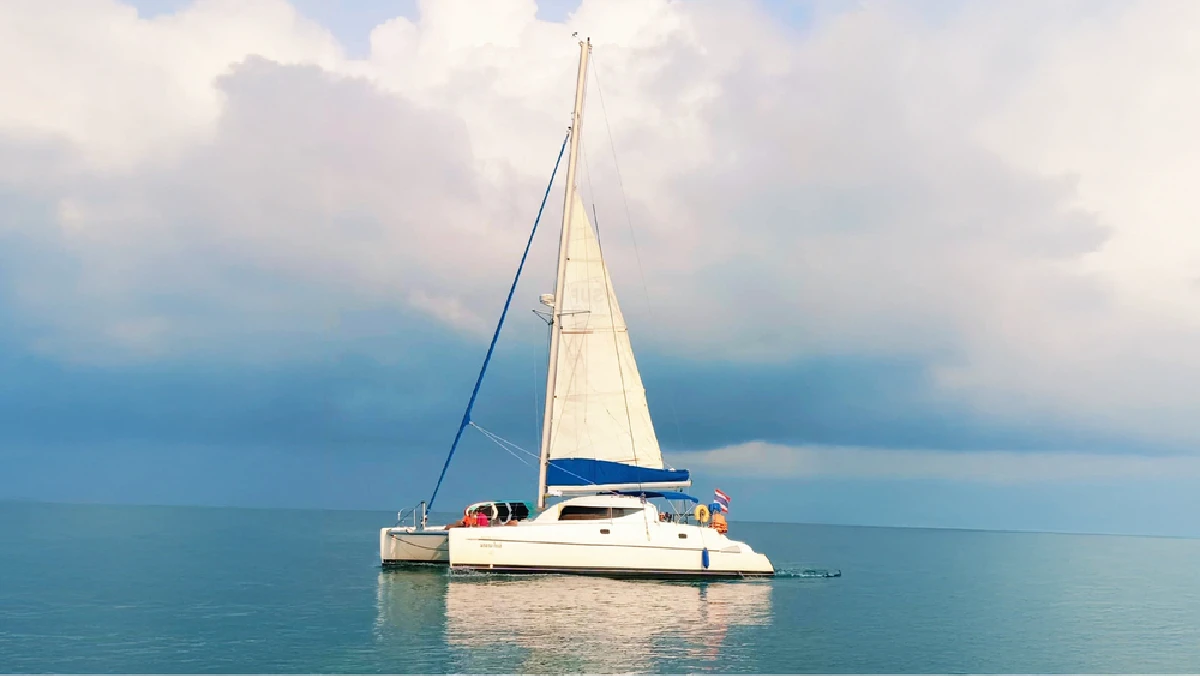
<point x="588" y="624"/>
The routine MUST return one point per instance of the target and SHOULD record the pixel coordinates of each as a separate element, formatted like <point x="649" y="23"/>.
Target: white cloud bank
<point x="775" y="461"/>
<point x="1003" y="190"/>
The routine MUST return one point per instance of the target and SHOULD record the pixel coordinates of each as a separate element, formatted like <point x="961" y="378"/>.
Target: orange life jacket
<point x="718" y="523"/>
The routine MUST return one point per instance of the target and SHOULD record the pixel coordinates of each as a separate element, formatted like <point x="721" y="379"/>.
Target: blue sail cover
<point x="587" y="472"/>
<point x="667" y="495"/>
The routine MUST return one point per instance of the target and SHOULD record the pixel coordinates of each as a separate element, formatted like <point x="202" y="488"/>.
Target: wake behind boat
<point x="598" y="443"/>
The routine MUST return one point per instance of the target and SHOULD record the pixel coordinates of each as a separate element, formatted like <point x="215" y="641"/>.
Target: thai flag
<point x="721" y="500"/>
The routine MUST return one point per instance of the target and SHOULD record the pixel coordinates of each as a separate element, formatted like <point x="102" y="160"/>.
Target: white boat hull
<point x="409" y="546"/>
<point x="617" y="548"/>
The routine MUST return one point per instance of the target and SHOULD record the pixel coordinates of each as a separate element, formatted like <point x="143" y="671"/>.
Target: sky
<point x="911" y="264"/>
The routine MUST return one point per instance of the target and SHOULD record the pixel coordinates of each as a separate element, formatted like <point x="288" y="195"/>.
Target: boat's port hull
<point x="411" y="546"/>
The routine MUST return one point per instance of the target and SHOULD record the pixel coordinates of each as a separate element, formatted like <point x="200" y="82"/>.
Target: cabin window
<point x="581" y="513"/>
<point x="585" y="513"/>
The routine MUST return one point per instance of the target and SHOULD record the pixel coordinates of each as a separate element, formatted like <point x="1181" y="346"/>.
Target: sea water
<point x="174" y="589"/>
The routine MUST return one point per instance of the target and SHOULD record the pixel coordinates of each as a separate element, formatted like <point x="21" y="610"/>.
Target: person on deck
<point x="481" y="519"/>
<point x="466" y="521"/>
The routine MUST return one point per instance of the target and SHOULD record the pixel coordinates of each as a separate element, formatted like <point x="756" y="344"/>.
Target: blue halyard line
<point x="466" y="419"/>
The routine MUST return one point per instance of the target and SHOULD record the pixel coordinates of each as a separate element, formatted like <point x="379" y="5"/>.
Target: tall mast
<point x="585" y="48"/>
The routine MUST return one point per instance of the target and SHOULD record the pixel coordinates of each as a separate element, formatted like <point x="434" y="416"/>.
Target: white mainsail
<point x="596" y="430"/>
<point x="599" y="407"/>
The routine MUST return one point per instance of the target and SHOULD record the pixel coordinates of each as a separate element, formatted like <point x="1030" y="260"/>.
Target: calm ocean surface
<point x="168" y="589"/>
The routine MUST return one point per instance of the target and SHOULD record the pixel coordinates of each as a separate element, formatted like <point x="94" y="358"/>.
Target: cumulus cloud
<point x="122" y="90"/>
<point x="313" y="187"/>
<point x="998" y="189"/>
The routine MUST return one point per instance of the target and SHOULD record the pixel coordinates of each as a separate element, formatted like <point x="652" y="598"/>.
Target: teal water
<point x="167" y="589"/>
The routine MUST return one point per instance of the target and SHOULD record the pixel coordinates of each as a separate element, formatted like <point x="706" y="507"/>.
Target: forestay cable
<point x="466" y="419"/>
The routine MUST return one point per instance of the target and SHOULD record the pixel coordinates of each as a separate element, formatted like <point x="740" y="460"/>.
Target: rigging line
<point x="564" y="469"/>
<point x="577" y="358"/>
<point x="587" y="172"/>
<point x="581" y="353"/>
<point x="495" y="336"/>
<point x="501" y="441"/>
<point x="616" y="341"/>
<point x="413" y="544"/>
<point x="629" y="220"/>
<point x="523" y="461"/>
<point x="537" y="410"/>
<point x="620" y="182"/>
<point x="578" y="363"/>
<point x="540" y="412"/>
<point x="608" y="294"/>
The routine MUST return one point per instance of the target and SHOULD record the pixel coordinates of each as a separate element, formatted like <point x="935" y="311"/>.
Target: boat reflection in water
<point x="431" y="620"/>
<point x="556" y="623"/>
<point x="410" y="619"/>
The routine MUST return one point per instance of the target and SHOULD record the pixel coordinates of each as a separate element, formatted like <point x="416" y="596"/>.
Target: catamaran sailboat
<point x="598" y="450"/>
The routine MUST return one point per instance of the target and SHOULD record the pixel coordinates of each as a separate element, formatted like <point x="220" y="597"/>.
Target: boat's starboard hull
<point x="610" y="549"/>
<point x="641" y="573"/>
